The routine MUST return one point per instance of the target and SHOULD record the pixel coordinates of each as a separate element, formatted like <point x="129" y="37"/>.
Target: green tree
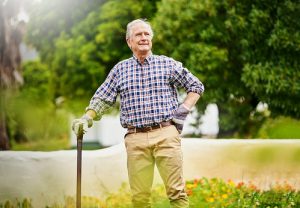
<point x="48" y="19"/>
<point x="82" y="55"/>
<point x="272" y="70"/>
<point x="35" y="74"/>
<point x="240" y="50"/>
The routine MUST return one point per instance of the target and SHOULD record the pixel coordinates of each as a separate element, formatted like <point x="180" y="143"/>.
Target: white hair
<point x="134" y="22"/>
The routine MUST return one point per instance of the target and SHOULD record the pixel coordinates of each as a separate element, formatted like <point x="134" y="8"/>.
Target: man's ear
<point x="128" y="43"/>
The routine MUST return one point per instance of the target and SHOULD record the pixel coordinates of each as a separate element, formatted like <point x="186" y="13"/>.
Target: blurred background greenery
<point x="245" y="52"/>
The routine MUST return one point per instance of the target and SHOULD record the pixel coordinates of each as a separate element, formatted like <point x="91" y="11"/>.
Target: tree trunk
<point x="4" y="141"/>
<point x="10" y="60"/>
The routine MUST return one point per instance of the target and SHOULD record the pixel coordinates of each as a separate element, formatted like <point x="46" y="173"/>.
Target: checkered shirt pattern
<point x="147" y="91"/>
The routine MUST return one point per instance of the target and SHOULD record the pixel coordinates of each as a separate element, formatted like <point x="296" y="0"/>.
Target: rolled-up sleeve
<point x="99" y="106"/>
<point x="105" y="96"/>
<point x="182" y="77"/>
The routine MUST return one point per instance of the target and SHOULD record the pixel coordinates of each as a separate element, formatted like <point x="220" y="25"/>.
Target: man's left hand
<point x="180" y="116"/>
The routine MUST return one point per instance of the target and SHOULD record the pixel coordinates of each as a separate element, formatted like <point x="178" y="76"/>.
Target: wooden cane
<point x="79" y="164"/>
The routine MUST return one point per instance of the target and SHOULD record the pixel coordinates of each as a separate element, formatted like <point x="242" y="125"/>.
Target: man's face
<point x="140" y="39"/>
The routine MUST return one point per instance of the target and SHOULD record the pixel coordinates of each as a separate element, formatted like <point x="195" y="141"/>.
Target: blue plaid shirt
<point x="147" y="91"/>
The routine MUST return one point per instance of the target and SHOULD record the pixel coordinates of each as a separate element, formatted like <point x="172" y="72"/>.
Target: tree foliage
<point x="244" y="52"/>
<point x="83" y="55"/>
<point x="48" y="19"/>
<point x="36" y="74"/>
<point x="272" y="71"/>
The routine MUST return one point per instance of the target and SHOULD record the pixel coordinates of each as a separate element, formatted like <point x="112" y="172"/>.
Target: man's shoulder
<point x="124" y="62"/>
<point x="163" y="58"/>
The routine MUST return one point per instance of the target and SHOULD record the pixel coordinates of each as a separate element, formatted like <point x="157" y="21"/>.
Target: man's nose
<point x="144" y="36"/>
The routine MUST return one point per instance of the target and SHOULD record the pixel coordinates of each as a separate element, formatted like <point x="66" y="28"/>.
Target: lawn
<point x="280" y="128"/>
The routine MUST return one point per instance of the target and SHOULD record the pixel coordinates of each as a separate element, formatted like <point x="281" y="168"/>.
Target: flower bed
<point x="218" y="193"/>
<point x="202" y="193"/>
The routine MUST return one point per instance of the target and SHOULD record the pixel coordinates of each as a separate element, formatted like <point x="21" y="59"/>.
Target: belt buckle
<point x="156" y="126"/>
<point x="147" y="128"/>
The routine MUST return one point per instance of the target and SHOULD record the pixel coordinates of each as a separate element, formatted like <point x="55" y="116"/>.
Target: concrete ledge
<point x="47" y="177"/>
<point x="263" y="162"/>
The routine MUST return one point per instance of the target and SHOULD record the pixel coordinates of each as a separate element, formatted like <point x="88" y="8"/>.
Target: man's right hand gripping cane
<point x="86" y="121"/>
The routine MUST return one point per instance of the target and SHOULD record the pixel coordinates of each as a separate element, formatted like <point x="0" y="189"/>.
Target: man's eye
<point x="141" y="34"/>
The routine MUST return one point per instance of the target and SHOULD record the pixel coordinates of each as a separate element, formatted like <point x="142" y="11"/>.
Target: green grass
<point x="280" y="128"/>
<point x="62" y="143"/>
<point x="45" y="127"/>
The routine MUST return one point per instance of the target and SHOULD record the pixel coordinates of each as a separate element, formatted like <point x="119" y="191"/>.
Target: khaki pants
<point x="163" y="148"/>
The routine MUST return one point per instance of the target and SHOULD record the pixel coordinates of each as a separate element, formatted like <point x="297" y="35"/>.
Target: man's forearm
<point x="191" y="99"/>
<point x="97" y="108"/>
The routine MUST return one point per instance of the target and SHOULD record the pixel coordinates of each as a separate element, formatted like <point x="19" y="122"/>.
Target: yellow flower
<point x="210" y="199"/>
<point x="224" y="196"/>
<point x="190" y="186"/>
<point x="231" y="183"/>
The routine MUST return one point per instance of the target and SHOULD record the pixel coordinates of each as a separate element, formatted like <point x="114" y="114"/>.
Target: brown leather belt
<point x="149" y="128"/>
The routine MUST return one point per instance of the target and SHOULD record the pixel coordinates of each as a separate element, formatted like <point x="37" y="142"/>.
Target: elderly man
<point x="151" y="113"/>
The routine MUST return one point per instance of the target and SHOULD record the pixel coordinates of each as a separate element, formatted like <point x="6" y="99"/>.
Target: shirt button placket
<point x="143" y="94"/>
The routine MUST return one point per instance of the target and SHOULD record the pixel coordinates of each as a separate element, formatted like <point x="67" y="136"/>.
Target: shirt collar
<point x="147" y="59"/>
